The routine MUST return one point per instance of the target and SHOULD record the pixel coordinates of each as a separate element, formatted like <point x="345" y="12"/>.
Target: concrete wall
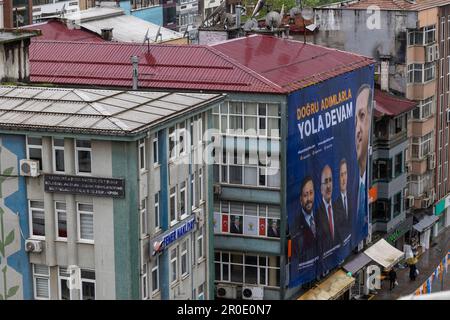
<point x="15" y="66"/>
<point x="351" y="30"/>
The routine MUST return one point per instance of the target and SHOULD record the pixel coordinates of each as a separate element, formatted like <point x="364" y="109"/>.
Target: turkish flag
<point x="262" y="226"/>
<point x="225" y="223"/>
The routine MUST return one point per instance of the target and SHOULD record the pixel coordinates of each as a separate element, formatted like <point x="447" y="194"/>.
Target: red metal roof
<point x="55" y="30"/>
<point x="390" y="105"/>
<point x="272" y="65"/>
<point x="291" y="64"/>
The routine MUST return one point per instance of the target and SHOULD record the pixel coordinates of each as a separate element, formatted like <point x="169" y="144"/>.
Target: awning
<point x="385" y="254"/>
<point x="331" y="288"/>
<point x="391" y="105"/>
<point x="425" y="223"/>
<point x="357" y="263"/>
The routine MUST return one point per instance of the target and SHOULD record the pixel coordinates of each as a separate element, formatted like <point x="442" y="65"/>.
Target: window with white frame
<point x="252" y="269"/>
<point x="144" y="216"/>
<point x="420" y="73"/>
<point x="421" y="146"/>
<point x="182" y="138"/>
<point x="200" y="129"/>
<point x="156" y="218"/>
<point x="144" y="282"/>
<point x="155" y="276"/>
<point x="183" y="200"/>
<point x="172" y="143"/>
<point x="83" y="156"/>
<point x="201" y="292"/>
<point x="415" y="37"/>
<point x="200" y="183"/>
<point x="61" y="220"/>
<point x="63" y="284"/>
<point x="41" y="282"/>
<point x="177" y="140"/>
<point x="424" y="110"/>
<point x="155" y="150"/>
<point x="58" y="155"/>
<point x="200" y="246"/>
<point x="248" y="219"/>
<point x="173" y="265"/>
<point x="184" y="258"/>
<point x="173" y="205"/>
<point x="34" y="149"/>
<point x="141" y="145"/>
<point x="193" y="194"/>
<point x="85" y="222"/>
<point x="37" y="219"/>
<point x="87" y="284"/>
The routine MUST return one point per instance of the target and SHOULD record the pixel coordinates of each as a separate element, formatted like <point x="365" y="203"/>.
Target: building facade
<point x="98" y="194"/>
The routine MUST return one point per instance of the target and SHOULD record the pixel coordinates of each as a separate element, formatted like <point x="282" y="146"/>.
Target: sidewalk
<point x="426" y="265"/>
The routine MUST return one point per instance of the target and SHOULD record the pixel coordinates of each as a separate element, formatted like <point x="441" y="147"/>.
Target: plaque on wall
<point x="92" y="186"/>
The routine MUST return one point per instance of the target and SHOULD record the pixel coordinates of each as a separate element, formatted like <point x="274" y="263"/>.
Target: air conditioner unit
<point x="431" y="162"/>
<point x="33" y="245"/>
<point x="252" y="293"/>
<point x="224" y="291"/>
<point x="29" y="168"/>
<point x="410" y="200"/>
<point x="217" y="189"/>
<point x="426" y="202"/>
<point x="199" y="218"/>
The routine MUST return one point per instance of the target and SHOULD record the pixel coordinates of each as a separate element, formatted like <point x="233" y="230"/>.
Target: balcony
<point x="384" y="140"/>
<point x="421" y="91"/>
<point x="419" y="128"/>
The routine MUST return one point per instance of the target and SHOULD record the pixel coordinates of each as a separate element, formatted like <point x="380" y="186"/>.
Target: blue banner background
<point x="343" y="146"/>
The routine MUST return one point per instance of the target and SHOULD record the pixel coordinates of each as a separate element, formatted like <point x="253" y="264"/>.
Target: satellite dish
<point x="251" y="24"/>
<point x="307" y="13"/>
<point x="294" y="11"/>
<point x="273" y="19"/>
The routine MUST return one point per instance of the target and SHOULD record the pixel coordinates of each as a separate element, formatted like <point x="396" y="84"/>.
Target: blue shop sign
<point x="173" y="235"/>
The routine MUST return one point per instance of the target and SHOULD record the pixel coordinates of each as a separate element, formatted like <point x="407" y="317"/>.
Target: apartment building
<point x="97" y="189"/>
<point x="407" y="38"/>
<point x="249" y="125"/>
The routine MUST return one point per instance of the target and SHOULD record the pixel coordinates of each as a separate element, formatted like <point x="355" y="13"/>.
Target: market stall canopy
<point x="384" y="254"/>
<point x="425" y="223"/>
<point x="333" y="287"/>
<point x="357" y="263"/>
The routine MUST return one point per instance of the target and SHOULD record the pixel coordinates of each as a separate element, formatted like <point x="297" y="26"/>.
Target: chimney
<point x="107" y="34"/>
<point x="384" y="75"/>
<point x="135" y="61"/>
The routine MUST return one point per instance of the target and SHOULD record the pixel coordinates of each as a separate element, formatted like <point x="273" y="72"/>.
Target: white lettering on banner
<point x="373" y="281"/>
<point x="332" y="118"/>
<point x="178" y="232"/>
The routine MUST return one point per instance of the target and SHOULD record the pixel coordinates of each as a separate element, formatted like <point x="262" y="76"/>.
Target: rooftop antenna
<point x="258" y="7"/>
<point x="158" y="34"/>
<point x="63" y="10"/>
<point x="146" y="38"/>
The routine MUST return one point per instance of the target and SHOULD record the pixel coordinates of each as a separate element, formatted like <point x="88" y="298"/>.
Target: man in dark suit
<point x="306" y="246"/>
<point x="327" y="213"/>
<point x="236" y="226"/>
<point x="342" y="205"/>
<point x="273" y="230"/>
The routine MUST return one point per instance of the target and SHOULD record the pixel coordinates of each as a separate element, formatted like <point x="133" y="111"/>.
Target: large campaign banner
<point x="327" y="181"/>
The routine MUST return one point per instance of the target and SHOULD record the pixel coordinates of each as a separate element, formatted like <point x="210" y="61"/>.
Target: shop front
<point x="396" y="236"/>
<point x="424" y="233"/>
<point x="442" y="210"/>
<point x="337" y="286"/>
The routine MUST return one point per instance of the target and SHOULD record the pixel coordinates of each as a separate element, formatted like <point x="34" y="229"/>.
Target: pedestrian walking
<point x="412" y="272"/>
<point x="392" y="279"/>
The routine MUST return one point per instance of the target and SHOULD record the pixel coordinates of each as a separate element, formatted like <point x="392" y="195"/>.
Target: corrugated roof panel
<point x="119" y="103"/>
<point x="105" y="124"/>
<point x="138" y="99"/>
<point x="164" y="105"/>
<point x="45" y="120"/>
<point x="9" y="104"/>
<point x="15" y="117"/>
<point x="137" y="116"/>
<point x="154" y="110"/>
<point x="55" y="94"/>
<point x="106" y="109"/>
<point x="64" y="107"/>
<point x="77" y="121"/>
<point x="33" y="105"/>
<point x="23" y="92"/>
<point x="182" y="100"/>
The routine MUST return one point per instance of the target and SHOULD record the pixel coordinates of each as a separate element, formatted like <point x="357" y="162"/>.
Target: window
<point x="144" y="282"/>
<point x="421" y="147"/>
<point x="142" y="154"/>
<point x="155" y="276"/>
<point x="87" y="285"/>
<point x="155" y="150"/>
<point x="144" y="217"/>
<point x="34" y="149"/>
<point x="398" y="165"/>
<point x="184" y="258"/>
<point x="397" y="202"/>
<point x="200" y="130"/>
<point x="200" y="182"/>
<point x="58" y="154"/>
<point x="63" y="284"/>
<point x="424" y="110"/>
<point x="173" y="265"/>
<point x="200" y="251"/>
<point x="193" y="198"/>
<point x="248" y="219"/>
<point x="429" y="34"/>
<point x="172" y="138"/>
<point x="173" y="206"/>
<point x="183" y="200"/>
<point x="41" y="281"/>
<point x="415" y="37"/>
<point x="247" y="268"/>
<point x="37" y="217"/>
<point x="85" y="222"/>
<point x="83" y="156"/>
<point x="61" y="220"/>
<point x="157" y="210"/>
<point x="382" y="169"/>
<point x="201" y="292"/>
<point x="420" y="73"/>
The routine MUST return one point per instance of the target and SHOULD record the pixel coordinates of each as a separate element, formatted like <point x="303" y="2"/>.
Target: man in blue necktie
<point x="362" y="126"/>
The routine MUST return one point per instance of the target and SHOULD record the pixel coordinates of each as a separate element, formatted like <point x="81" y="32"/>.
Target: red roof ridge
<point x="253" y="73"/>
